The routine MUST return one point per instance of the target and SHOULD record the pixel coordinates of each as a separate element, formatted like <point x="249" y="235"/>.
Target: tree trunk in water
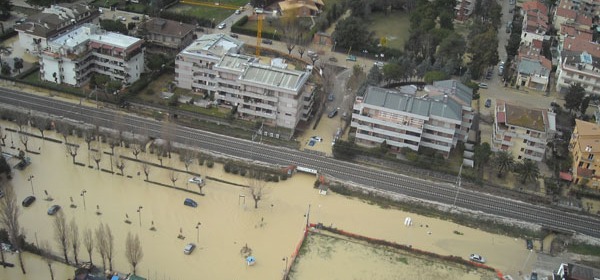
<point x="110" y="264"/>
<point x="90" y="255"/>
<point x="66" y="256"/>
<point x="2" y="258"/>
<point x="256" y="204"/>
<point x="21" y="263"/>
<point x="51" y="272"/>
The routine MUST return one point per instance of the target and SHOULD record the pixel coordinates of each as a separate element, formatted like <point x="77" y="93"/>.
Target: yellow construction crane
<point x="259" y="34"/>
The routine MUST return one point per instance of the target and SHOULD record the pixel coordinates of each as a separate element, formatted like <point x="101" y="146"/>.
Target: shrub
<point x="210" y="163"/>
<point x="227" y="167"/>
<point x="243" y="171"/>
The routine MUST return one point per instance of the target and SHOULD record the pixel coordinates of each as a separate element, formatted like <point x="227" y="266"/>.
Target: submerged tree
<point x="72" y="150"/>
<point x="61" y="233"/>
<point x="74" y="236"/>
<point x="88" y="242"/>
<point x="47" y="256"/>
<point x="9" y="218"/>
<point x="256" y="184"/>
<point x="133" y="250"/>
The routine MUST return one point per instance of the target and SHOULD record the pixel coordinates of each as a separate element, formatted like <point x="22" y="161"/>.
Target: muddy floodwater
<point x="228" y="220"/>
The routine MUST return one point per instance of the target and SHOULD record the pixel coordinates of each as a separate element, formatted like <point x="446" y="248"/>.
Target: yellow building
<point x="585" y="149"/>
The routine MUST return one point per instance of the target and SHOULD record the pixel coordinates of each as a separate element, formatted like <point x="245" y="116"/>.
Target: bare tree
<point x="47" y="256"/>
<point x="72" y="150"/>
<point x="24" y="138"/>
<point x="3" y="137"/>
<point x="97" y="155"/>
<point x="9" y="218"/>
<point x="160" y="152"/>
<point x="173" y="176"/>
<point x="110" y="242"/>
<point x="119" y="163"/>
<point x="146" y="169"/>
<point x="88" y="242"/>
<point x="257" y="184"/>
<point x="187" y="157"/>
<point x="88" y="137"/>
<point x="101" y="243"/>
<point x="291" y="31"/>
<point x="136" y="149"/>
<point x="61" y="233"/>
<point x="133" y="250"/>
<point x="41" y="124"/>
<point x="22" y="121"/>
<point x="64" y="129"/>
<point x="113" y="142"/>
<point x="74" y="235"/>
<point x="301" y="46"/>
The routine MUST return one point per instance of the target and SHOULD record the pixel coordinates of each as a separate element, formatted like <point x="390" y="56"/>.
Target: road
<point x="383" y="180"/>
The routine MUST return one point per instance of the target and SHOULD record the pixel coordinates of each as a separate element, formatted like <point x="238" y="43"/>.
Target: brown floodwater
<point x="228" y="221"/>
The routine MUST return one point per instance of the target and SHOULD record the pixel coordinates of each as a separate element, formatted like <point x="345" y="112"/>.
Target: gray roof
<point x="216" y="44"/>
<point x="395" y="100"/>
<point x="49" y="21"/>
<point x="530" y="67"/>
<point x="235" y="62"/>
<point x="456" y="89"/>
<point x="273" y="76"/>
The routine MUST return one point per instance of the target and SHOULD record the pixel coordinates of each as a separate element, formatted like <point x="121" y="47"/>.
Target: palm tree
<point x="528" y="171"/>
<point x="504" y="161"/>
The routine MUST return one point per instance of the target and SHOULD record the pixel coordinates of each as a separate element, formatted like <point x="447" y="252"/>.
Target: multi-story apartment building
<point x="72" y="57"/>
<point x="278" y="96"/>
<point x="52" y="22"/>
<point x="585" y="150"/>
<point x="436" y="118"/>
<point x="168" y="33"/>
<point x="579" y="62"/>
<point x="535" y="21"/>
<point x="524" y="132"/>
<point x="575" y="11"/>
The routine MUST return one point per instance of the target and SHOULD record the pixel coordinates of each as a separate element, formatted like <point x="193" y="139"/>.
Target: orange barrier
<point x="295" y="254"/>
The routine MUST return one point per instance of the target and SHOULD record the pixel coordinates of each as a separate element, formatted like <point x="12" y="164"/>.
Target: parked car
<point x="135" y="18"/>
<point x="333" y="113"/>
<point x="28" y="201"/>
<point x="332" y="59"/>
<point x="21" y="20"/>
<point x="189" y="248"/>
<point x="233" y="35"/>
<point x="259" y="10"/>
<point x="379" y="64"/>
<point x="533" y="276"/>
<point x="316" y="138"/>
<point x="196" y="180"/>
<point x="53" y="209"/>
<point x="529" y="244"/>
<point x="351" y="58"/>
<point x="267" y="41"/>
<point x="483" y="85"/>
<point x="488" y="103"/>
<point x="222" y="25"/>
<point x="330" y="97"/>
<point x="477" y="258"/>
<point x="237" y="12"/>
<point x="122" y="18"/>
<point x="190" y="202"/>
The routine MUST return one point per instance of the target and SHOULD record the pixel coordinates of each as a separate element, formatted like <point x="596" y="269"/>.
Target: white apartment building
<point x="72" y="57"/>
<point x="524" y="132"/>
<point x="278" y="96"/>
<point x="579" y="67"/>
<point x="436" y="118"/>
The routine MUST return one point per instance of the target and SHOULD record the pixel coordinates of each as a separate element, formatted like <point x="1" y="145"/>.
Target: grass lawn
<point x="218" y="14"/>
<point x="396" y="36"/>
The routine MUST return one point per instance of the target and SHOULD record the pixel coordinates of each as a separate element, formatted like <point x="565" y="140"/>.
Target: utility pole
<point x="458" y="182"/>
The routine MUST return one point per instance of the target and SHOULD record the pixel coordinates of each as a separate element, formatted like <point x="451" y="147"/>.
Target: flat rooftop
<point x="91" y="32"/>
<point x="276" y="77"/>
<point x="235" y="62"/>
<point x="216" y="44"/>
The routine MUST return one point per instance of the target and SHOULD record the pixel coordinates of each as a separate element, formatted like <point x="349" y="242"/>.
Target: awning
<point x="566" y="176"/>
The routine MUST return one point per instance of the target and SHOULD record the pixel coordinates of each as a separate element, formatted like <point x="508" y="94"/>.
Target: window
<point x="591" y="156"/>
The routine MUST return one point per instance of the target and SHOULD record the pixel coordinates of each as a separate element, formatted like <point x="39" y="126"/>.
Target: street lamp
<point x="83" y="196"/>
<point x="198" y="232"/>
<point x="458" y="182"/>
<point x="139" y="210"/>
<point x="30" y="179"/>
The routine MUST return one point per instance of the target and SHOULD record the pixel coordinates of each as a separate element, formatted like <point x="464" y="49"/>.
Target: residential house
<point x="524" y="132"/>
<point x="301" y="8"/>
<point x="535" y="21"/>
<point x="436" y="118"/>
<point x="585" y="150"/>
<point x="52" y="22"/>
<point x="272" y="93"/>
<point x="168" y="33"/>
<point x="575" y="11"/>
<point x="463" y="9"/>
<point x="569" y="271"/>
<point x="74" y="56"/>
<point x="533" y="69"/>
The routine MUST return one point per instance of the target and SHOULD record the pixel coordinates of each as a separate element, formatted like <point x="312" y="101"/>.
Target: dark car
<point x="233" y="35"/>
<point x="267" y="41"/>
<point x="190" y="202"/>
<point x="28" y="201"/>
<point x="330" y="97"/>
<point x="529" y="244"/>
<point x="488" y="103"/>
<point x="53" y="209"/>
<point x="333" y="113"/>
<point x="135" y="18"/>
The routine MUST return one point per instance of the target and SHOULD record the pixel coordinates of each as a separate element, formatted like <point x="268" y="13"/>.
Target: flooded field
<point x="344" y="258"/>
<point x="226" y="214"/>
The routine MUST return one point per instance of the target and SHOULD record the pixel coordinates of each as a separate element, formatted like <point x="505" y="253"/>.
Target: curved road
<point x="384" y="180"/>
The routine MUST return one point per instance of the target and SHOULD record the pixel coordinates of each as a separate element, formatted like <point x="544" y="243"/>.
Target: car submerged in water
<point x="476" y="258"/>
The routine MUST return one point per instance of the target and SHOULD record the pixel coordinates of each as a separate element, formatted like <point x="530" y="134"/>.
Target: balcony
<point x="256" y="113"/>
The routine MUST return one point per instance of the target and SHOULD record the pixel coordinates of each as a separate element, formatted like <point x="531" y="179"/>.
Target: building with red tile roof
<point x="535" y="21"/>
<point x="533" y="69"/>
<point x="579" y="12"/>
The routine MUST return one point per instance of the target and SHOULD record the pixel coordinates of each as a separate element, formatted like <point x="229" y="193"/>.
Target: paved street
<point x="374" y="178"/>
